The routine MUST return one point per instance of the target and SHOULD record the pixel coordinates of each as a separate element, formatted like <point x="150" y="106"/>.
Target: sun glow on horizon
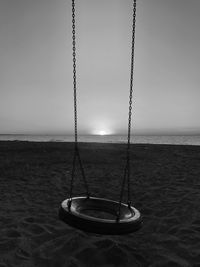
<point x="101" y="128"/>
<point x="102" y="132"/>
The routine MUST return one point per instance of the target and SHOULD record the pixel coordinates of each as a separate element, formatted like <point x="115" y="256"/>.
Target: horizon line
<point x="137" y="134"/>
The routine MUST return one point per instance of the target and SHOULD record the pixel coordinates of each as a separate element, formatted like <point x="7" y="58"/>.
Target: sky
<point x="36" y="85"/>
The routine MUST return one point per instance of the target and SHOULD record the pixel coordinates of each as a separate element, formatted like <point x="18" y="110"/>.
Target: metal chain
<point x="74" y="70"/>
<point x="131" y="78"/>
<point x="76" y="150"/>
<point x="127" y="166"/>
<point x="131" y="97"/>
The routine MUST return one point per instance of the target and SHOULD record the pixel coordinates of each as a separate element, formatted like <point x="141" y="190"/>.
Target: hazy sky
<point x="36" y="92"/>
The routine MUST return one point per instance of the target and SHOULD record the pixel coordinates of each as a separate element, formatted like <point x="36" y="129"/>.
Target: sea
<point x="135" y="139"/>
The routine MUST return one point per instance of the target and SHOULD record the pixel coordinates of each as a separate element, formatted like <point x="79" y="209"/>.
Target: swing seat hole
<point x="102" y="209"/>
<point x="99" y="214"/>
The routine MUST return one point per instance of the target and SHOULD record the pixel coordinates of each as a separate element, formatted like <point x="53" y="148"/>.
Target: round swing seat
<point x="76" y="212"/>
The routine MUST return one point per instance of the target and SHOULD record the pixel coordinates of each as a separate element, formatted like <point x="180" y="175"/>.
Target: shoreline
<point x="110" y="139"/>
<point x="94" y="143"/>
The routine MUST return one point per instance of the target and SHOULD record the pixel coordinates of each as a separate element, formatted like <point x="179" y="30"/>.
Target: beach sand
<point x="165" y="186"/>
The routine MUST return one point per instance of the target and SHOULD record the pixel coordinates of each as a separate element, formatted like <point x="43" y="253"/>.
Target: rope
<point x="127" y="166"/>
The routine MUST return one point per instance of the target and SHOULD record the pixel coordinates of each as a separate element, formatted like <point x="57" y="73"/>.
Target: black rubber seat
<point x="75" y="211"/>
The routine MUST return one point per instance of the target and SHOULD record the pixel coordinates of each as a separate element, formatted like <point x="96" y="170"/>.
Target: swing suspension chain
<point x="127" y="166"/>
<point x="131" y="96"/>
<point x="76" y="150"/>
<point x="74" y="70"/>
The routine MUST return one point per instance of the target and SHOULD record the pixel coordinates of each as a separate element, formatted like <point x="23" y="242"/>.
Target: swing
<point x="74" y="210"/>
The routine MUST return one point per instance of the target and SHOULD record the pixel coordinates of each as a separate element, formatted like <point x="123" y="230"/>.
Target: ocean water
<point x="139" y="139"/>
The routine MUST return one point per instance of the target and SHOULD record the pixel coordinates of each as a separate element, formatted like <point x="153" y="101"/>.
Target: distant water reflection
<point x="151" y="139"/>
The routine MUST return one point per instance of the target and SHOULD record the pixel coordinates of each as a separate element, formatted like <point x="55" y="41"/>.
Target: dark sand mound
<point x="34" y="179"/>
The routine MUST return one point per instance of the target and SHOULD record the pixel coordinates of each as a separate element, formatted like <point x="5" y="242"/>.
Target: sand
<point x="34" y="180"/>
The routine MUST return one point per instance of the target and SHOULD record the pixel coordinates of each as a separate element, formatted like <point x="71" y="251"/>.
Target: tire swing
<point x="73" y="210"/>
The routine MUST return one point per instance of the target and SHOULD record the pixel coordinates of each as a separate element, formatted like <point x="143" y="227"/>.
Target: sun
<point x="102" y="132"/>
